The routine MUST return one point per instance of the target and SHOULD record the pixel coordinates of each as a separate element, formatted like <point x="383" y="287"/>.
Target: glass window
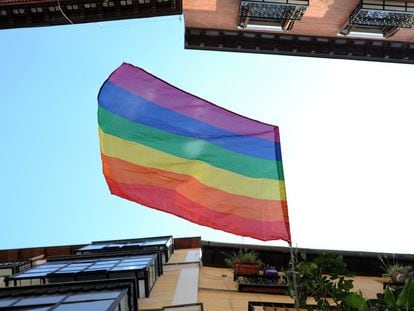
<point x="130" y="260"/>
<point x="31" y="274"/>
<point x="135" y="244"/>
<point x="107" y="262"/>
<point x="93" y="296"/>
<point x="96" y="269"/>
<point x="100" y="267"/>
<point x="69" y="270"/>
<point x="40" y="300"/>
<point x="124" y="268"/>
<point x="64" y="270"/>
<point x="40" y="269"/>
<point x="114" y="245"/>
<point x="144" y="259"/>
<point x="79" y="265"/>
<point x="135" y="262"/>
<point x="102" y="305"/>
<point x="141" y="260"/>
<point x="155" y="242"/>
<point x="92" y="247"/>
<point x="6" y="302"/>
<point x="105" y="265"/>
<point x="130" y="264"/>
<point x="49" y="266"/>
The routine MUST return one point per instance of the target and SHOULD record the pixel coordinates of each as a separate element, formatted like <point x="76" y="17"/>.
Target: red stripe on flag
<point x="169" y="201"/>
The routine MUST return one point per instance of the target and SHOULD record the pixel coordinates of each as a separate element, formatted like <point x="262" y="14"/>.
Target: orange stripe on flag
<point x="220" y="201"/>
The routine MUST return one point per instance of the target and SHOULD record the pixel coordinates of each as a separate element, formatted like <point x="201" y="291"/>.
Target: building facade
<point x="160" y="273"/>
<point x="373" y="30"/>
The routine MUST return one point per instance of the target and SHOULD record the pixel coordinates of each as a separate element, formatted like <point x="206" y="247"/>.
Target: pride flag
<point x="172" y="151"/>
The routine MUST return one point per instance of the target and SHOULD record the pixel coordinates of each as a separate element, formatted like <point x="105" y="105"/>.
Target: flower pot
<point x="398" y="277"/>
<point x="261" y="284"/>
<point x="241" y="269"/>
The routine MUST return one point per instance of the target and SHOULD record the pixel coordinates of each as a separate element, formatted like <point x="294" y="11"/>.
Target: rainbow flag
<point x="172" y="151"/>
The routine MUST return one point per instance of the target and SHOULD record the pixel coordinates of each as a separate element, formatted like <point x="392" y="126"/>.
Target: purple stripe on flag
<point x="139" y="82"/>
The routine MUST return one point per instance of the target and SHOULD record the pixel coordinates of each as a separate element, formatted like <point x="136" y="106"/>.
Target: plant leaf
<point x="389" y="299"/>
<point x="356" y="301"/>
<point x="406" y="297"/>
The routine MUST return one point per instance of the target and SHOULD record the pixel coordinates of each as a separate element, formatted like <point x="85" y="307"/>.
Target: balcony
<point x="276" y="15"/>
<point x="379" y="19"/>
<point x="143" y="268"/>
<point x="165" y="244"/>
<point x="12" y="267"/>
<point x="103" y="295"/>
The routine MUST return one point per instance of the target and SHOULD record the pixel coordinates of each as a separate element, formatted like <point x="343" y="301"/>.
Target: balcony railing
<point x="379" y="18"/>
<point x="279" y="14"/>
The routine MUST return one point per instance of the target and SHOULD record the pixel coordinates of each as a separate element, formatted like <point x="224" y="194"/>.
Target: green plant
<point x="396" y="300"/>
<point x="396" y="271"/>
<point x="355" y="301"/>
<point x="243" y="255"/>
<point x="257" y="280"/>
<point x="324" y="279"/>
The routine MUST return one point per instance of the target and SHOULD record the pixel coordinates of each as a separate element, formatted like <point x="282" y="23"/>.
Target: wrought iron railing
<point x="278" y="11"/>
<point x="383" y="14"/>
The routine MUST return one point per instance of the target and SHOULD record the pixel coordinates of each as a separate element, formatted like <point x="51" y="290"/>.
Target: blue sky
<point x="346" y="132"/>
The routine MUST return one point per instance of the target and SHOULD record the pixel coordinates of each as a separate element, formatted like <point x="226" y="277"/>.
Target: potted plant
<point x="262" y="284"/>
<point x="398" y="273"/>
<point x="244" y="262"/>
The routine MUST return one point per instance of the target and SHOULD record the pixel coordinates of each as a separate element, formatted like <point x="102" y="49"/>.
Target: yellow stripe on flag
<point x="259" y="188"/>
